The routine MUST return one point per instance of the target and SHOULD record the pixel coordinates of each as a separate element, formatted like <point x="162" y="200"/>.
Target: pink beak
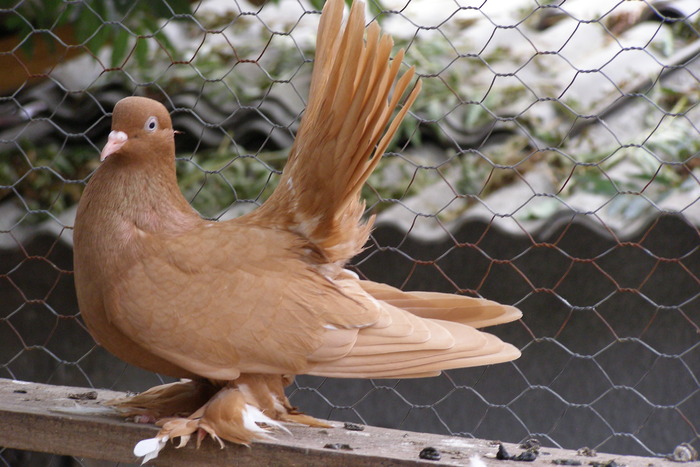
<point x="115" y="141"/>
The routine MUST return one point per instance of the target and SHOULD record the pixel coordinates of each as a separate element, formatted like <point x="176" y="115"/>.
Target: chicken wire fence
<point x="550" y="162"/>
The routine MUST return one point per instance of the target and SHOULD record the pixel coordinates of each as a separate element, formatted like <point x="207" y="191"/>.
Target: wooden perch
<point x="72" y="421"/>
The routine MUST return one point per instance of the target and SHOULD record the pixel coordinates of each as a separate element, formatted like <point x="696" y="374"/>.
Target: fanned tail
<point x="345" y="129"/>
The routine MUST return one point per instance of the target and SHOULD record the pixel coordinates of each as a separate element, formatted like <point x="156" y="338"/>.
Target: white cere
<point x="151" y="124"/>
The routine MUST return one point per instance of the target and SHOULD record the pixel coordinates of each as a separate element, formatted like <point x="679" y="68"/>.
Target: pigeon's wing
<point x="402" y="344"/>
<point x="225" y="298"/>
<point x="255" y="302"/>
<point x="475" y="312"/>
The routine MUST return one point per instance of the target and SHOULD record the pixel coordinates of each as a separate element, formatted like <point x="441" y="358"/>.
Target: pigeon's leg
<point x="267" y="392"/>
<point x="179" y="399"/>
<point x="228" y="415"/>
<point x="242" y="411"/>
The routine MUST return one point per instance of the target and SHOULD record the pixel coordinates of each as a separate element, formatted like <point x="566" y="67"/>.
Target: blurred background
<point x="551" y="162"/>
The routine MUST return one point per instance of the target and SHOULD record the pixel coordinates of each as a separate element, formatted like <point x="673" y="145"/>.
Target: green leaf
<point x="317" y="4"/>
<point x="166" y="9"/>
<point x="13" y="23"/>
<point x="86" y="25"/>
<point x="157" y="8"/>
<point x="28" y="46"/>
<point x="100" y="38"/>
<point x="122" y="7"/>
<point x="120" y="46"/>
<point x="63" y="14"/>
<point x="142" y="52"/>
<point x="375" y="8"/>
<point x="180" y="7"/>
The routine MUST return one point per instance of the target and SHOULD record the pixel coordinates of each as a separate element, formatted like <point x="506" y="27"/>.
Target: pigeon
<point x="237" y="308"/>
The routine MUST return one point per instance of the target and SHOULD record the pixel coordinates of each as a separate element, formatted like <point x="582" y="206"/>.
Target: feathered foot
<point x="267" y="393"/>
<point x="243" y="411"/>
<point x="228" y="415"/>
<point x="167" y="400"/>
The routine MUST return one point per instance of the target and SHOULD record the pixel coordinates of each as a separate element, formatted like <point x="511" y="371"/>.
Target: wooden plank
<point x="47" y="418"/>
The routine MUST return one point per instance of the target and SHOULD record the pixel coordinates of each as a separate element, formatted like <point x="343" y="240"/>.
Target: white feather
<point x="278" y="405"/>
<point x="245" y="390"/>
<point x="353" y="274"/>
<point x="252" y="416"/>
<point x="475" y="461"/>
<point x="149" y="448"/>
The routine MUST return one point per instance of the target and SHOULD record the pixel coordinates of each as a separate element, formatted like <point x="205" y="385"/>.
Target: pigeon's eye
<point x="151" y="124"/>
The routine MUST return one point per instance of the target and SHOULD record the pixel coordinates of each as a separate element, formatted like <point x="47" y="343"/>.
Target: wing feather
<point x="475" y="312"/>
<point x="266" y="309"/>
<point x="270" y="310"/>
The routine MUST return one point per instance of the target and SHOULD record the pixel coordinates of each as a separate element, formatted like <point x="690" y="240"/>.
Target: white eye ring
<point x="151" y="124"/>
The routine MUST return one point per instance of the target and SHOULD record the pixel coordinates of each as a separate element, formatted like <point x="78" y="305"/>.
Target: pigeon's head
<point x="141" y="128"/>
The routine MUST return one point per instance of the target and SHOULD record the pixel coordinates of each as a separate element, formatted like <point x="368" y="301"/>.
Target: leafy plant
<point x="45" y="178"/>
<point x="97" y="23"/>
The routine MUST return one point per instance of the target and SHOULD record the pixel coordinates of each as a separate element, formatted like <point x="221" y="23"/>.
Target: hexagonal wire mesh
<point x="551" y="162"/>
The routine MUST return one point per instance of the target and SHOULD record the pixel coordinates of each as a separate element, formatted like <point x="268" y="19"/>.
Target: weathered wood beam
<point x="72" y="421"/>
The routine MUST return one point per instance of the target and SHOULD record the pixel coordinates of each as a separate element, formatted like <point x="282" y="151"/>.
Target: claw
<point x="202" y="433"/>
<point x="184" y="439"/>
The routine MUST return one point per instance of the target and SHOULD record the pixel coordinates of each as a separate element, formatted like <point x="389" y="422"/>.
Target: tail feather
<point x="347" y="126"/>
<point x="345" y="129"/>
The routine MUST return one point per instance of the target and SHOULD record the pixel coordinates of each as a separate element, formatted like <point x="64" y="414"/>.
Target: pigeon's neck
<point x="130" y="198"/>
